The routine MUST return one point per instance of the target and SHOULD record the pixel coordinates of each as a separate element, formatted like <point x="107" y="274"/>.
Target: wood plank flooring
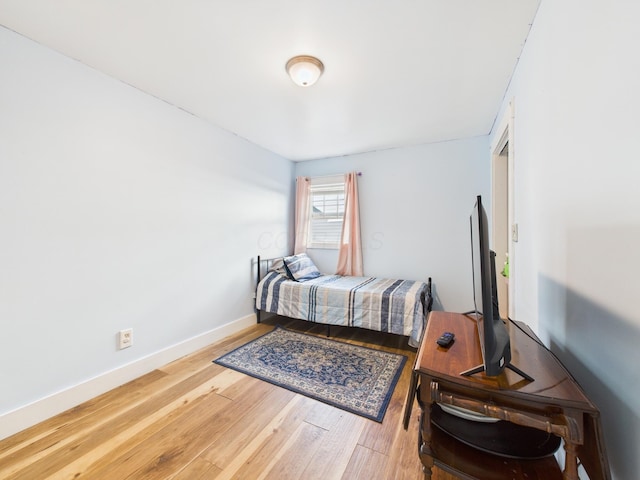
<point x="193" y="419"/>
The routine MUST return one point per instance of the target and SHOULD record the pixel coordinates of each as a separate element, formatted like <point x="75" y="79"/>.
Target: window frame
<point x="326" y="187"/>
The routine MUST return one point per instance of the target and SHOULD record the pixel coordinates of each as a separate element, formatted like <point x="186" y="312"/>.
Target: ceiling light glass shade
<point x="304" y="70"/>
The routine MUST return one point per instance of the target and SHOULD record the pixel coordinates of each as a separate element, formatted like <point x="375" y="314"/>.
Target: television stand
<point x="481" y="367"/>
<point x="510" y="366"/>
<point x="554" y="403"/>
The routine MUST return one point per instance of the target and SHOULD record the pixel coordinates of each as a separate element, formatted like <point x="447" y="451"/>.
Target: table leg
<point x="426" y="455"/>
<point x="411" y="395"/>
<point x="570" y="462"/>
<point x="427" y="472"/>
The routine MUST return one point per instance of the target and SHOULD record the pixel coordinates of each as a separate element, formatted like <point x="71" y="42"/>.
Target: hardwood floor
<point x="193" y="419"/>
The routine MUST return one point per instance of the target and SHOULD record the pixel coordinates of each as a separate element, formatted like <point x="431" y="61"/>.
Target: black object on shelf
<point x="501" y="438"/>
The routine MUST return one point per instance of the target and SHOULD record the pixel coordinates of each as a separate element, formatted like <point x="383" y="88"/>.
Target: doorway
<point x="504" y="231"/>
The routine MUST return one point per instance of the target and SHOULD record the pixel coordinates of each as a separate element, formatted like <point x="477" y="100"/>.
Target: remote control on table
<point x="446" y="339"/>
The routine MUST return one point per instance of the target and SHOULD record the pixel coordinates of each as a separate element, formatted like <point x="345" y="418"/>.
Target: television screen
<point x="494" y="336"/>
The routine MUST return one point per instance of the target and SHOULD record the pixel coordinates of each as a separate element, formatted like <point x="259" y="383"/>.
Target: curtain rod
<point x="330" y="176"/>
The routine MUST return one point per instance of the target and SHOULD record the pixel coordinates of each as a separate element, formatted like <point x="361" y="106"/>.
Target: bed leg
<point x="256" y="289"/>
<point x="328" y="331"/>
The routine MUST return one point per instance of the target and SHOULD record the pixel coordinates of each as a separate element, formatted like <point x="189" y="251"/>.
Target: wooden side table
<point x="553" y="403"/>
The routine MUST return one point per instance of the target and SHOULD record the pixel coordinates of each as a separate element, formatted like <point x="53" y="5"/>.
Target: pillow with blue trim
<point x="278" y="266"/>
<point x="300" y="267"/>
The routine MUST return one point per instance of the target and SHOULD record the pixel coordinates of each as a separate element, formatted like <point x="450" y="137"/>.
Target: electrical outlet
<point x="125" y="338"/>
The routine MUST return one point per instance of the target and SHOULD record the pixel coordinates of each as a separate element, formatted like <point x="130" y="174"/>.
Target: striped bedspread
<point x="394" y="306"/>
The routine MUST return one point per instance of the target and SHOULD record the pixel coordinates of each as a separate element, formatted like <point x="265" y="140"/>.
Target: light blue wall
<point x="118" y="211"/>
<point x="578" y="204"/>
<point x="414" y="207"/>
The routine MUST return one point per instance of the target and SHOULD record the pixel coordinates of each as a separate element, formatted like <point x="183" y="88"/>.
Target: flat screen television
<point x="494" y="336"/>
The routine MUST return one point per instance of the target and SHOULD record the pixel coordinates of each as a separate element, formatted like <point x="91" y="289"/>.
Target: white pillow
<point x="278" y="266"/>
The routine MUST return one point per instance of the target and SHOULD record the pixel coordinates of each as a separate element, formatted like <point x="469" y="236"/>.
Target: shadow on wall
<point x="437" y="303"/>
<point x="602" y="351"/>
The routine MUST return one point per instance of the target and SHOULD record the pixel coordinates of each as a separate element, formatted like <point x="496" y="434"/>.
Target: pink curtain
<point x="302" y="215"/>
<point x="350" y="254"/>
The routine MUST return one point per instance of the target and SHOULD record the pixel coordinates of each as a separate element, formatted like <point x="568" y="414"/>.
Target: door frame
<point x="504" y="135"/>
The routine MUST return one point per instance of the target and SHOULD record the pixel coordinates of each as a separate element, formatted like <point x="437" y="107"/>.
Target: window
<point x="327" y="212"/>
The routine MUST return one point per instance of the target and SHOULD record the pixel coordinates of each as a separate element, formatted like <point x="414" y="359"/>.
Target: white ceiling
<point x="397" y="72"/>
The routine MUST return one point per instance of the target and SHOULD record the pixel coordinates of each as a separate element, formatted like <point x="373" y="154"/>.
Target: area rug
<point x="356" y="379"/>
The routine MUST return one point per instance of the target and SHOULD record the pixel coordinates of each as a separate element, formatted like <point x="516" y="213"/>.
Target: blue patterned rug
<point x="356" y="379"/>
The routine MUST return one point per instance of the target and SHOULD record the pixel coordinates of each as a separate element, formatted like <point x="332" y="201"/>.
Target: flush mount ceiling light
<point x="304" y="70"/>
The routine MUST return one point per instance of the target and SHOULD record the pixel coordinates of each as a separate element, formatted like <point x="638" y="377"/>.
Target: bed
<point x="293" y="287"/>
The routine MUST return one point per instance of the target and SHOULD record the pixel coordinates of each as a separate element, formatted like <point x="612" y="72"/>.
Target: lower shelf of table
<point x="466" y="462"/>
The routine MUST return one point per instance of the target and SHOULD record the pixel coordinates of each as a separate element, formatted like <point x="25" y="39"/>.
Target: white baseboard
<point x="33" y="413"/>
